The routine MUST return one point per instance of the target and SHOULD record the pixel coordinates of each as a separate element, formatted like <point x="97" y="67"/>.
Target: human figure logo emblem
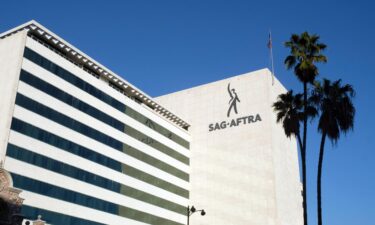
<point x="234" y="122"/>
<point x="233" y="100"/>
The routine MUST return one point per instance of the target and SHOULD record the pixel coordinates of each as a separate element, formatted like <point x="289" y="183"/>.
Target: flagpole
<point x="271" y="56"/>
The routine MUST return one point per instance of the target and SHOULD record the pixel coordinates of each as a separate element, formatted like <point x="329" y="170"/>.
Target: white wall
<point x="11" y="52"/>
<point x="238" y="175"/>
<point x="287" y="178"/>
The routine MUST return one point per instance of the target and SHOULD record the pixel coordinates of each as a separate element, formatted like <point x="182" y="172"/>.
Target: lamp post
<point x="191" y="210"/>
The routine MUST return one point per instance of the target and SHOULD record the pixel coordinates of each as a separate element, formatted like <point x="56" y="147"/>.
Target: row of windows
<point x="86" y="108"/>
<point x="66" y="121"/>
<point x="29" y="157"/>
<point x="54" y="218"/>
<point x="66" y="145"/>
<point x="39" y="187"/>
<point x="63" y="194"/>
<point x="82" y="175"/>
<point x="71" y="78"/>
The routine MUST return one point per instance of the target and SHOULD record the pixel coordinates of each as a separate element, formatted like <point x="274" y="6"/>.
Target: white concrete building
<point x="244" y="170"/>
<point x="84" y="145"/>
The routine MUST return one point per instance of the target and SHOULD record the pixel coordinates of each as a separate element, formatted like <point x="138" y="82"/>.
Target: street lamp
<point x="191" y="210"/>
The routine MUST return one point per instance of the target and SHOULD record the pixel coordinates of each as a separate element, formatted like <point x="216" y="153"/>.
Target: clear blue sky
<point x="168" y="45"/>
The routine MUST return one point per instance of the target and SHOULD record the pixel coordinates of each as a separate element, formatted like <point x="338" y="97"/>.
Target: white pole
<point x="271" y="56"/>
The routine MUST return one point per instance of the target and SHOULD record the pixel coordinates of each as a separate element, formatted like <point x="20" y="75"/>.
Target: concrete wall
<point x="244" y="174"/>
<point x="287" y="178"/>
<point x="11" y="52"/>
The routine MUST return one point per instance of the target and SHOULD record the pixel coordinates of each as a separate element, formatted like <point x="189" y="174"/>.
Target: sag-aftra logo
<point x="233" y="100"/>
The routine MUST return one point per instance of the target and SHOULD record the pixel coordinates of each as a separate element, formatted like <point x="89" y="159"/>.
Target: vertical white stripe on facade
<point x="52" y="152"/>
<point x="47" y="53"/>
<point x="38" y="173"/>
<point x="11" y="52"/>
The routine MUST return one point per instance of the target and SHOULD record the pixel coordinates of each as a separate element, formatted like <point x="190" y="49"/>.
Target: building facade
<point x="244" y="170"/>
<point x="84" y="145"/>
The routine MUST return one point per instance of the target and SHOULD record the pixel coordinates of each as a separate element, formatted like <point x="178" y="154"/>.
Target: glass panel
<point x="92" y="111"/>
<point x="52" y="191"/>
<point x="71" y="78"/>
<point x="54" y="218"/>
<point x="29" y="157"/>
<point x="66" y="145"/>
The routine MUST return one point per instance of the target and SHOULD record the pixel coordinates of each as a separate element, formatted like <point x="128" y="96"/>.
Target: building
<point x="244" y="170"/>
<point x="85" y="146"/>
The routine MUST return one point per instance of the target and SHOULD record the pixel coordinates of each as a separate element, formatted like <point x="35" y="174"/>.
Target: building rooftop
<point x="74" y="55"/>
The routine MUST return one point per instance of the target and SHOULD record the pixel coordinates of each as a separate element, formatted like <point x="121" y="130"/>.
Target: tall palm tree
<point x="289" y="111"/>
<point x="305" y="52"/>
<point x="334" y="102"/>
<point x="288" y="108"/>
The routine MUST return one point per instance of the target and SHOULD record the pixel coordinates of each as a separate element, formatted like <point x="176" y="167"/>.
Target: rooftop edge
<point x="76" y="56"/>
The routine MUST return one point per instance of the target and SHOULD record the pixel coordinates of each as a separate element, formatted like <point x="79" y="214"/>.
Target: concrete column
<point x="11" y="55"/>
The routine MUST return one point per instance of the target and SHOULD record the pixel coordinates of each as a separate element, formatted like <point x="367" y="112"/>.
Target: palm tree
<point x="288" y="108"/>
<point x="337" y="111"/>
<point x="289" y="111"/>
<point x="305" y="52"/>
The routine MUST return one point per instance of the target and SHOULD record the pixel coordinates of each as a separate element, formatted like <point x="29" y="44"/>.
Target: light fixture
<point x="191" y="210"/>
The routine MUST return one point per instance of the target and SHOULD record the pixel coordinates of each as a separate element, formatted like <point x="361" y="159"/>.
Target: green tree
<point x="288" y="108"/>
<point x="305" y="52"/>
<point x="334" y="102"/>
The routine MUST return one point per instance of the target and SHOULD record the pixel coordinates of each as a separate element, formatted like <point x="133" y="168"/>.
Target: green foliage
<point x="305" y="52"/>
<point x="334" y="102"/>
<point x="289" y="111"/>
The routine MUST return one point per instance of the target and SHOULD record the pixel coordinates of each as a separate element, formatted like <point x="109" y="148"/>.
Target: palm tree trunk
<point x="303" y="155"/>
<point x="319" y="183"/>
<point x="300" y="143"/>
<point x="304" y="191"/>
<point x="303" y="159"/>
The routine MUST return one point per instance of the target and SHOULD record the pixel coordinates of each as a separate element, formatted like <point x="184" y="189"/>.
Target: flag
<point x="269" y="44"/>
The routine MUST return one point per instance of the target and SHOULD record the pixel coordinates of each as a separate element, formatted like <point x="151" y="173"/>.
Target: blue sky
<point x="168" y="45"/>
